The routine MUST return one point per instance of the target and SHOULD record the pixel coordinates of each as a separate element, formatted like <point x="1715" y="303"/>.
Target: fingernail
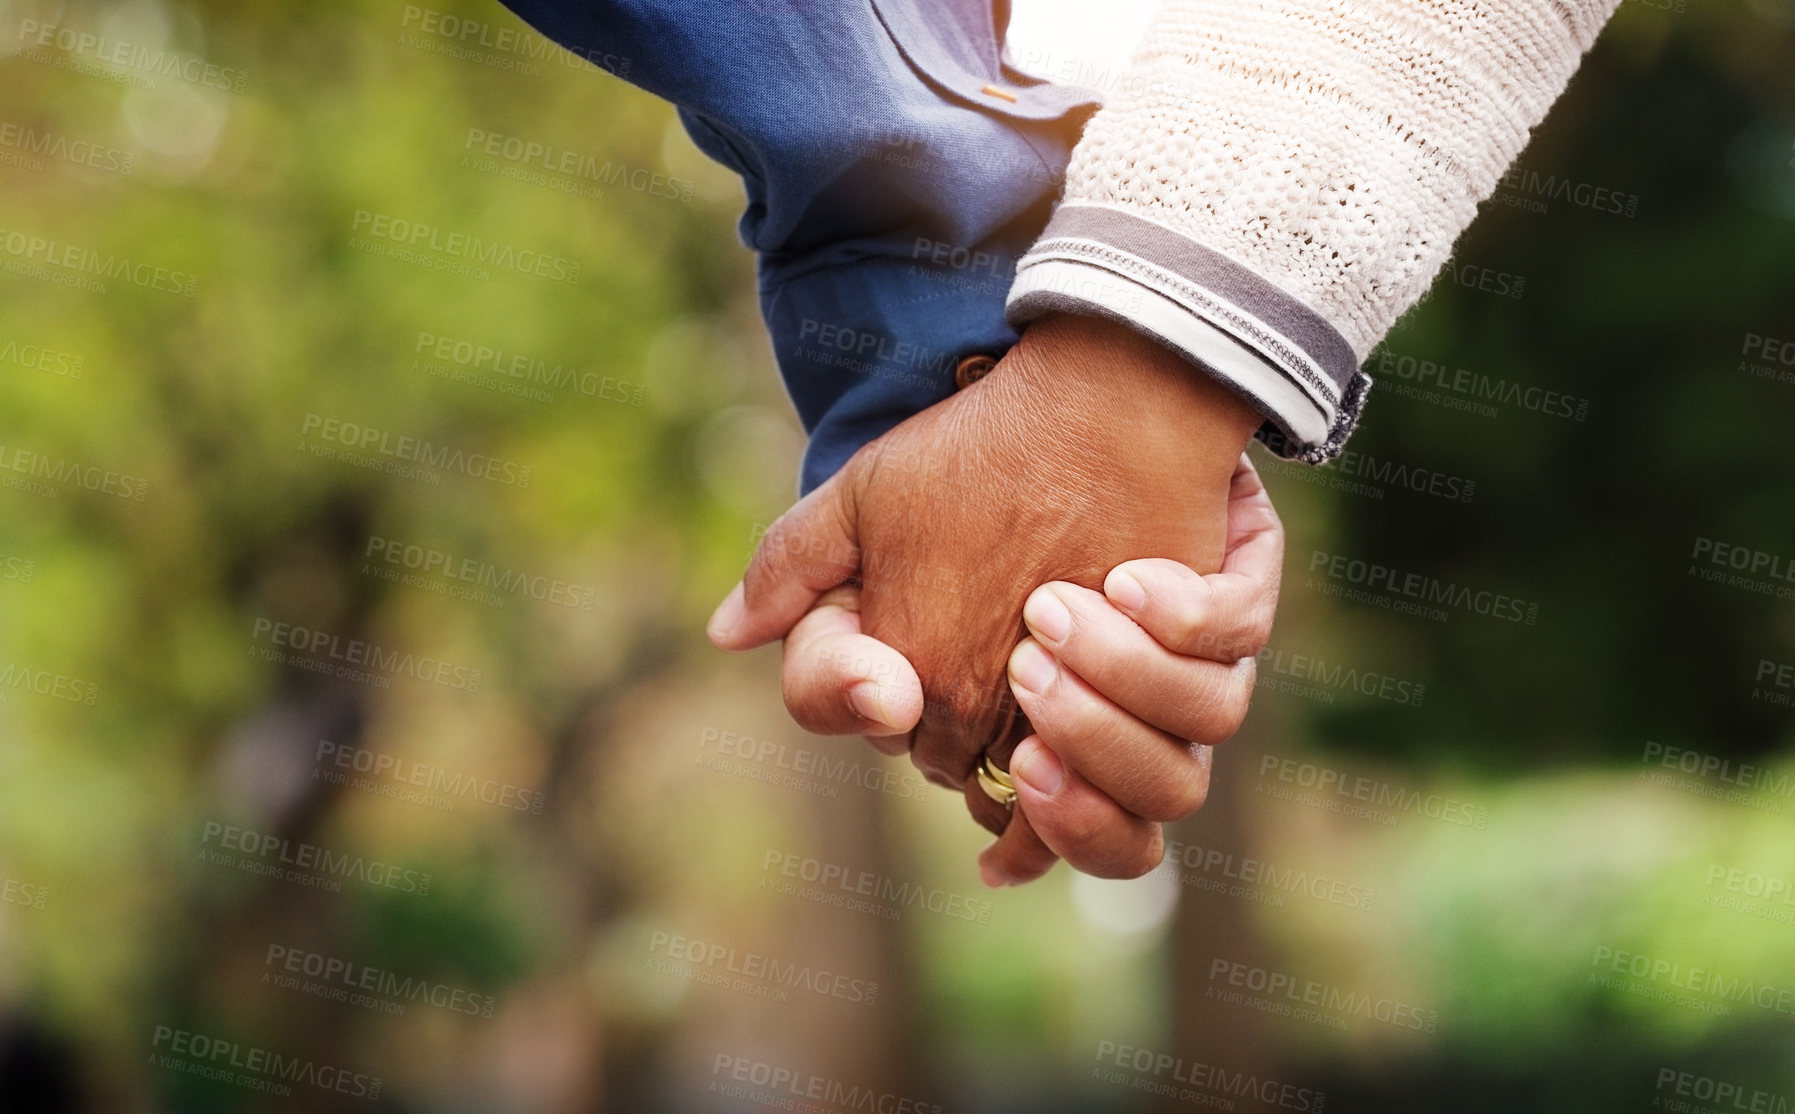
<point x="1125" y="591"/>
<point x="727" y="617"/>
<point x="1047" y="616"/>
<point x="1040" y="768"/>
<point x="1032" y="667"/>
<point x="992" y="877"/>
<point x="868" y="701"/>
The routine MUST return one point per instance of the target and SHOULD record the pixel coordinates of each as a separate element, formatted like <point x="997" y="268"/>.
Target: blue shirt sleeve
<point x="895" y="170"/>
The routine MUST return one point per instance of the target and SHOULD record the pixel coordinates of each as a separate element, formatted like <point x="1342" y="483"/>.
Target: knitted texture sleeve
<point x="1276" y="181"/>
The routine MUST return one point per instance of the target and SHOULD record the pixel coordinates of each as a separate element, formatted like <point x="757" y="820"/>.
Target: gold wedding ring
<point x="996" y="783"/>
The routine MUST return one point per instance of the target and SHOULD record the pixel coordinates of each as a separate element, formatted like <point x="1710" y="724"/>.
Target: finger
<point x="1141" y="768"/>
<point x="810" y="549"/>
<point x="838" y="681"/>
<point x="1075" y="820"/>
<point x="1017" y="856"/>
<point x="1221" y="617"/>
<point x="1186" y="697"/>
<point x="1252" y="522"/>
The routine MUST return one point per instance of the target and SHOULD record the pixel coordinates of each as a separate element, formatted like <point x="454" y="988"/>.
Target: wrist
<point x="1099" y="381"/>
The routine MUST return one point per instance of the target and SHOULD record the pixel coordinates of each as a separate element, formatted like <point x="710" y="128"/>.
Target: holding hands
<point x="1069" y="565"/>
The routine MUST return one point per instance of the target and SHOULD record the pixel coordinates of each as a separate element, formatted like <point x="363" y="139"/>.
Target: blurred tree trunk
<point x="1206" y="925"/>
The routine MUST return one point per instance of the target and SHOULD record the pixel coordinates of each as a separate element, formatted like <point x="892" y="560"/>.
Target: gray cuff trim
<point x="1305" y="421"/>
<point x="1277" y="437"/>
<point x="1229" y="293"/>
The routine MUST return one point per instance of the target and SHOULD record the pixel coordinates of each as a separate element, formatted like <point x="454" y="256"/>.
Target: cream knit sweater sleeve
<point x="1277" y="181"/>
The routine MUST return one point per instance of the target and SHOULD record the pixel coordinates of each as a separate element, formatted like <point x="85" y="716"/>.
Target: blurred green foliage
<point x="649" y="498"/>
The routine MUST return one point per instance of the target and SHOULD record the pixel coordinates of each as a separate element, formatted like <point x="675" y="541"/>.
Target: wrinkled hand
<point x="1164" y="652"/>
<point x="1116" y="686"/>
<point x="1085" y="447"/>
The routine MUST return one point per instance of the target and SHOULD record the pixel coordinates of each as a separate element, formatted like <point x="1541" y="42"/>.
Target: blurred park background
<point x="360" y="744"/>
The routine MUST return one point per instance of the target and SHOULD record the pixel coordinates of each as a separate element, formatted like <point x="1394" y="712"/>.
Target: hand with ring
<point x="1072" y="498"/>
<point x="1128" y="691"/>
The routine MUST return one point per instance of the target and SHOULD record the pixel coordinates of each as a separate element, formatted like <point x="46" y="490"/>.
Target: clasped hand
<point x="1069" y="564"/>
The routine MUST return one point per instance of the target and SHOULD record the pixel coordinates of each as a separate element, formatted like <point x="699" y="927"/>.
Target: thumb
<point x="810" y="549"/>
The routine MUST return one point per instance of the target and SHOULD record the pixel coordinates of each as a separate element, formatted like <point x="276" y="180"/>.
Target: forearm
<point x="1291" y="175"/>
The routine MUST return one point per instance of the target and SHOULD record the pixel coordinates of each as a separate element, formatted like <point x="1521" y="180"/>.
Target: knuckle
<point x="1137" y="858"/>
<point x="1209" y="718"/>
<point x="807" y="715"/>
<point x="1178" y="796"/>
<point x="1257" y="632"/>
<point x="810" y="708"/>
<point x="1183" y="627"/>
<point x="1153" y="852"/>
<point x="1079" y="718"/>
<point x="1219" y="716"/>
<point x="1239" y="698"/>
<point x="1080" y="833"/>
